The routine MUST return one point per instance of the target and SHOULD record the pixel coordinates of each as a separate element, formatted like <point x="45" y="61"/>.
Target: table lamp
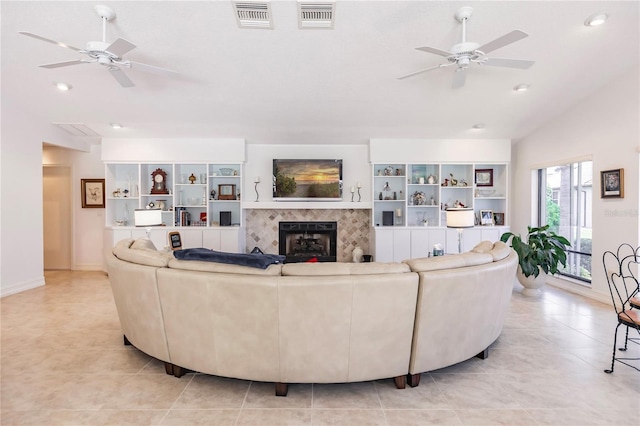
<point x="460" y="218"/>
<point x="147" y="218"/>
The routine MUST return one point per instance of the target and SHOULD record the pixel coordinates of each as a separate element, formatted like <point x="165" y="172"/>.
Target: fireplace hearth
<point x="303" y="241"/>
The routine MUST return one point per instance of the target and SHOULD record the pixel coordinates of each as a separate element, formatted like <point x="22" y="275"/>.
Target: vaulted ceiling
<point x="291" y="85"/>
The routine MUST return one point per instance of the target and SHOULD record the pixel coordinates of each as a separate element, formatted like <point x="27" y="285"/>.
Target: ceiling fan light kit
<point x="466" y="52"/>
<point x="109" y="55"/>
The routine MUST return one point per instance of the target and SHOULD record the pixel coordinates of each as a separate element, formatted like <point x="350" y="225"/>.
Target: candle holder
<point x="256" y="181"/>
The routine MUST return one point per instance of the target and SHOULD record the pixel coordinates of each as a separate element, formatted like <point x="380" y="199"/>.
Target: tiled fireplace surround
<point x="353" y="227"/>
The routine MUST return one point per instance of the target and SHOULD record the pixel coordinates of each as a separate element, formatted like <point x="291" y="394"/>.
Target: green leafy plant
<point x="544" y="249"/>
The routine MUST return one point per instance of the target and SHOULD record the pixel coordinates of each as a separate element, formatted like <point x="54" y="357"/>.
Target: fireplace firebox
<point x="303" y="241"/>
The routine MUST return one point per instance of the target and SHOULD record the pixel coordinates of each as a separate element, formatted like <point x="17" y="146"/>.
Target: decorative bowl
<point x="486" y="192"/>
<point x="225" y="171"/>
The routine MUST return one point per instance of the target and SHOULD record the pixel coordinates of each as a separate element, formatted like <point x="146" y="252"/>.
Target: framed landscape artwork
<point x="612" y="183"/>
<point x="484" y="177"/>
<point x="92" y="193"/>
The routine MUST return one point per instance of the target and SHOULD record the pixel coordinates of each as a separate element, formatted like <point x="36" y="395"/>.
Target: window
<point x="565" y="197"/>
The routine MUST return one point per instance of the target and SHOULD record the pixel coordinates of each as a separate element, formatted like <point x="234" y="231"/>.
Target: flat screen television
<point x="307" y="180"/>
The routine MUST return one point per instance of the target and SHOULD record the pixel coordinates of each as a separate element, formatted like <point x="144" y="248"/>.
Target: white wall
<point x="21" y="253"/>
<point x="605" y="127"/>
<point x="87" y="224"/>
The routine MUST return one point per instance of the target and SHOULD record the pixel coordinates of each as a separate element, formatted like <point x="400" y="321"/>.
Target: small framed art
<point x="498" y="219"/>
<point x="227" y="192"/>
<point x="612" y="183"/>
<point x="92" y="193"/>
<point x="486" y="217"/>
<point x="484" y="177"/>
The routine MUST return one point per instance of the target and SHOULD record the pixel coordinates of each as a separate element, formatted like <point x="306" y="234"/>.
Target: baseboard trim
<point x="89" y="267"/>
<point x="579" y="289"/>
<point x="23" y="286"/>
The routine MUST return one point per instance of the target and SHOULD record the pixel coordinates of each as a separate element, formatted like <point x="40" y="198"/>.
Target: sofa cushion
<point x="483" y="247"/>
<point x="500" y="251"/>
<point x="143" y="244"/>
<point x="224" y="268"/>
<point x="337" y="268"/>
<point x="316" y="269"/>
<point x="424" y="264"/>
<point x="472" y="259"/>
<point x="377" y="268"/>
<point x="242" y="259"/>
<point x="123" y="250"/>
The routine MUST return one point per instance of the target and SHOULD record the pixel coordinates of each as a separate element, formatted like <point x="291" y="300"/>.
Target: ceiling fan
<point x="106" y="54"/>
<point x="465" y="53"/>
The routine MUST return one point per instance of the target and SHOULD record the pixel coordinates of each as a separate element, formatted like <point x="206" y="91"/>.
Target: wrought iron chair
<point x="621" y="269"/>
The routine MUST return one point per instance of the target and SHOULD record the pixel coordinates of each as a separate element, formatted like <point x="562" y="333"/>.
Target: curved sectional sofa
<point x="311" y="322"/>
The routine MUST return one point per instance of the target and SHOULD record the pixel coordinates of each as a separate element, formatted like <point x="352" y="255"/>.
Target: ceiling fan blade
<point x="48" y="40"/>
<point x="509" y="38"/>
<point x="64" y="64"/>
<point x="434" y="51"/>
<point x="459" y="77"/>
<point x="120" y="46"/>
<point x="424" y="70"/>
<point x="511" y="63"/>
<point x="150" y="68"/>
<point x="121" y="77"/>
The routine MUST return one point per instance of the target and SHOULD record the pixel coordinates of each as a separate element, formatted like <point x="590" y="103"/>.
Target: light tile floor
<point x="63" y="362"/>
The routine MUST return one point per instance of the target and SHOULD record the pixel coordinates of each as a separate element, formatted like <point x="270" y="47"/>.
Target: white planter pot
<point x="531" y="284"/>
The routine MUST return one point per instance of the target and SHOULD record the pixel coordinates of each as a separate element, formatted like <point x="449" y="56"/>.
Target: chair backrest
<point x="621" y="270"/>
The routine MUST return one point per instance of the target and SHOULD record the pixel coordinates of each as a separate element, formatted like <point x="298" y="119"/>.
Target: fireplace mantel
<point x="297" y="205"/>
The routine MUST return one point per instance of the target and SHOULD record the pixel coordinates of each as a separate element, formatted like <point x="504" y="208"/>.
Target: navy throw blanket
<point x="261" y="261"/>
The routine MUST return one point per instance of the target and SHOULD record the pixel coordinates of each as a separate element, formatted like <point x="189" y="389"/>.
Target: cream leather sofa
<point x="311" y="322"/>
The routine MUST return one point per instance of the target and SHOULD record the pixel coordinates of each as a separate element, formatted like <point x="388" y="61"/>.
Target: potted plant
<point x="540" y="255"/>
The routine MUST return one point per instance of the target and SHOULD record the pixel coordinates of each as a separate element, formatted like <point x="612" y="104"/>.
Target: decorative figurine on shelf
<point x="388" y="171"/>
<point x="386" y="189"/>
<point x="398" y="172"/>
<point x="458" y="205"/>
<point x="213" y="194"/>
<point x="445" y="182"/>
<point x="433" y="201"/>
<point x="126" y="193"/>
<point x="418" y="198"/>
<point x="432" y="179"/>
<point x="454" y="181"/>
<point x="462" y="182"/>
<point x="116" y="193"/>
<point x="192" y="178"/>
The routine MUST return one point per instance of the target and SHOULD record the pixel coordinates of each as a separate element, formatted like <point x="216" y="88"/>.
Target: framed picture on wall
<point x="486" y="217"/>
<point x="484" y="177"/>
<point x="92" y="193"/>
<point x="612" y="183"/>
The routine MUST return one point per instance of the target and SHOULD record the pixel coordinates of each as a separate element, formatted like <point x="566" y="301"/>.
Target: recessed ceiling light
<point x="521" y="87"/>
<point x="596" y="19"/>
<point x="63" y="87"/>
<point x="478" y="126"/>
<point x="116" y="125"/>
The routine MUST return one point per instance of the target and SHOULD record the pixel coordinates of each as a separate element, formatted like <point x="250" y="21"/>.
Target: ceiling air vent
<point x="253" y="14"/>
<point x="316" y="14"/>
<point x="76" y="129"/>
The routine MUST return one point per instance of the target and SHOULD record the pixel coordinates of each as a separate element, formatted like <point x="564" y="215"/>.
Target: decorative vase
<point x="357" y="254"/>
<point x="531" y="284"/>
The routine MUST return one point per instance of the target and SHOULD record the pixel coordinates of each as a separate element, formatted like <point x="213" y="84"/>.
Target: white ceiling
<point x="286" y="85"/>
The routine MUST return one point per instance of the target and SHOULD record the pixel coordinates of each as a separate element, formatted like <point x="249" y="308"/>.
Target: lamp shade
<point x="460" y="218"/>
<point x="147" y="217"/>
